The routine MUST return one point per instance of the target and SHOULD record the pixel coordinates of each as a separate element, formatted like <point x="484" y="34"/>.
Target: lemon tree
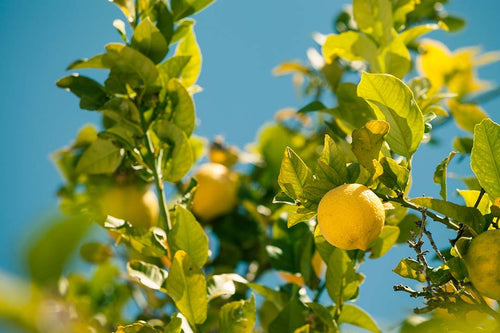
<point x="322" y="189"/>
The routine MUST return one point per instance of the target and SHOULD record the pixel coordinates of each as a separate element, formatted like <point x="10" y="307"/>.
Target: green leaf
<point x="238" y="316"/>
<point x="394" y="176"/>
<point x="466" y="215"/>
<point x="174" y="326"/>
<point x="127" y="7"/>
<point x="291" y="317"/>
<point x="374" y="17"/>
<point x="294" y="174"/>
<point x="164" y="21"/>
<point x="223" y="285"/>
<point x="149" y="41"/>
<point x="124" y="112"/>
<point x="311" y="107"/>
<point x="181" y="106"/>
<point x="189" y="47"/>
<point x="383" y="243"/>
<point x="53" y="246"/>
<point x="410" y="269"/>
<point x="85" y="137"/>
<point x="409" y="35"/>
<point x="147" y="274"/>
<point x="367" y="141"/>
<point x="463" y="145"/>
<point x="139" y="327"/>
<point x="470" y="197"/>
<point x="151" y="243"/>
<point x="350" y="45"/>
<point x="485" y="156"/>
<point x="183" y="8"/>
<point x="393" y="102"/>
<point x="342" y="281"/>
<point x="440" y="174"/>
<point x="352" y="109"/>
<point x="182" y="30"/>
<point x="180" y="159"/>
<point x="458" y="269"/>
<point x="172" y="67"/>
<point x="279" y="299"/>
<point x="296" y="218"/>
<point x="188" y="235"/>
<point x="324" y="248"/>
<point x="101" y="157"/>
<point x="94" y="62"/>
<point x="331" y="165"/>
<point x="324" y="315"/>
<point x="393" y="59"/>
<point x="129" y="64"/>
<point x="453" y="23"/>
<point x="94" y="252"/>
<point x="186" y="285"/>
<point x="91" y="93"/>
<point x="467" y="116"/>
<point x="354" y="315"/>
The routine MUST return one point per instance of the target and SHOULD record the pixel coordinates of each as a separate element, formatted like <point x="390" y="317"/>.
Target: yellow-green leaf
<point x="466" y="115"/>
<point x="149" y="41"/>
<point x="441" y="173"/>
<point x="354" y="315"/>
<point x="470" y="197"/>
<point x="238" y="316"/>
<point x="101" y="157"/>
<point x="188" y="46"/>
<point x="367" y="141"/>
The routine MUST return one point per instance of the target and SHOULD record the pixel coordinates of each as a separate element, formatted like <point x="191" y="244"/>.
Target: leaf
<point x="393" y="102"/>
<point x="394" y="176"/>
<point x="164" y="21"/>
<point x="91" y="93"/>
<point x="101" y="157"/>
<point x="186" y="285"/>
<point x="350" y="45"/>
<point x="181" y="106"/>
<point x="279" y="299"/>
<point x="352" y="109"/>
<point x="120" y="28"/>
<point x="127" y="7"/>
<point x="296" y="218"/>
<point x="354" y="315"/>
<point x="174" y="326"/>
<point x="485" y="156"/>
<point x="313" y="106"/>
<point x="470" y="197"/>
<point x="463" y="145"/>
<point x="124" y="112"/>
<point x="149" y="41"/>
<point x="466" y="215"/>
<point x="172" y="67"/>
<point x="238" y="316"/>
<point x="151" y="243"/>
<point x="466" y="115"/>
<point x="440" y="174"/>
<point x="180" y="158"/>
<point x="183" y="28"/>
<point x="342" y="282"/>
<point x="223" y="285"/>
<point x="147" y="274"/>
<point x="94" y="252"/>
<point x="294" y="174"/>
<point x="383" y="243"/>
<point x="188" y="235"/>
<point x="183" y="8"/>
<point x="367" y="141"/>
<point x="291" y="317"/>
<point x="410" y="269"/>
<point x="324" y="315"/>
<point x="393" y="59"/>
<point x="94" y="62"/>
<point x="409" y="35"/>
<point x="53" y="246"/>
<point x="374" y="17"/>
<point x="324" y="248"/>
<point x="331" y="165"/>
<point x="189" y="47"/>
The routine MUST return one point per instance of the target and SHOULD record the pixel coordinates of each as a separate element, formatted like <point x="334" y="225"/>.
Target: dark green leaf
<point x="457" y="268"/>
<point x="279" y="299"/>
<point x="313" y="106"/>
<point x="238" y="316"/>
<point x="96" y="252"/>
<point x="324" y="315"/>
<point x="164" y="21"/>
<point x="91" y="93"/>
<point x="291" y="317"/>
<point x="147" y="274"/>
<point x="101" y="157"/>
<point x="186" y="285"/>
<point x="149" y="41"/>
<point x="395" y="176"/>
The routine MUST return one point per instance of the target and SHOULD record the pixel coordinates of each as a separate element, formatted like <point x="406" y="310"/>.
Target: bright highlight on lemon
<point x="216" y="194"/>
<point x="483" y="263"/>
<point x="350" y="216"/>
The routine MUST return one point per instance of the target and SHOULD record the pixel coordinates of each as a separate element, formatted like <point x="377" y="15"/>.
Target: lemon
<point x="350" y="216"/>
<point x="483" y="263"/>
<point x="132" y="203"/>
<point x="216" y="194"/>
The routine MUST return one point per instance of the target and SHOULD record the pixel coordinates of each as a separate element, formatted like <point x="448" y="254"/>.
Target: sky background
<point x="241" y="42"/>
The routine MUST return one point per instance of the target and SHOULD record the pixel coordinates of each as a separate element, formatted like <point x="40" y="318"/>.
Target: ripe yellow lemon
<point x="483" y="263"/>
<point x="216" y="193"/>
<point x="136" y="205"/>
<point x="350" y="216"/>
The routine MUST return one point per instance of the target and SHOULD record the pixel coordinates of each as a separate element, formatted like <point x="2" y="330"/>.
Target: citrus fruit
<point x="216" y="192"/>
<point x="350" y="216"/>
<point x="137" y="205"/>
<point x="483" y="263"/>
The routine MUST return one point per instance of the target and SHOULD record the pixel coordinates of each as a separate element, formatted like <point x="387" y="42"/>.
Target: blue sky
<point x="241" y="42"/>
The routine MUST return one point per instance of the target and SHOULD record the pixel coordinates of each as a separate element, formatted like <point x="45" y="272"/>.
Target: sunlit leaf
<point x="394" y="176"/>
<point x="182" y="29"/>
<point x="354" y="315"/>
<point x="374" y="17"/>
<point x="331" y="165"/>
<point x="383" y="243"/>
<point x="410" y="269"/>
<point x="147" y="274"/>
<point x="367" y="141"/>
<point x="181" y="106"/>
<point x="127" y="7"/>
<point x="183" y="8"/>
<point x="440" y="174"/>
<point x="149" y="41"/>
<point x="101" y="157"/>
<point x="188" y="46"/>
<point x="223" y="285"/>
<point x="485" y="156"/>
<point x="293" y="175"/>
<point x="466" y="115"/>
<point x="238" y="316"/>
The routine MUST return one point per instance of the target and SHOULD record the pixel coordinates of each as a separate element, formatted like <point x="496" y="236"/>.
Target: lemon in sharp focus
<point x="216" y="194"/>
<point x="483" y="263"/>
<point x="137" y="205"/>
<point x="350" y="216"/>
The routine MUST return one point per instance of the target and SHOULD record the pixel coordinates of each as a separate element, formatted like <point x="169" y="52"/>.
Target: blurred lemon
<point x="216" y="193"/>
<point x="483" y="263"/>
<point x="350" y="216"/>
<point x="137" y="205"/>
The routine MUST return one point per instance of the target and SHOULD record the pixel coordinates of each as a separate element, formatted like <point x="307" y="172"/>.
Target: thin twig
<point x="434" y="247"/>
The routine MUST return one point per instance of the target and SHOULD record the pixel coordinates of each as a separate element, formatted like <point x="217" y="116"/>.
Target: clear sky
<point x="241" y="42"/>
